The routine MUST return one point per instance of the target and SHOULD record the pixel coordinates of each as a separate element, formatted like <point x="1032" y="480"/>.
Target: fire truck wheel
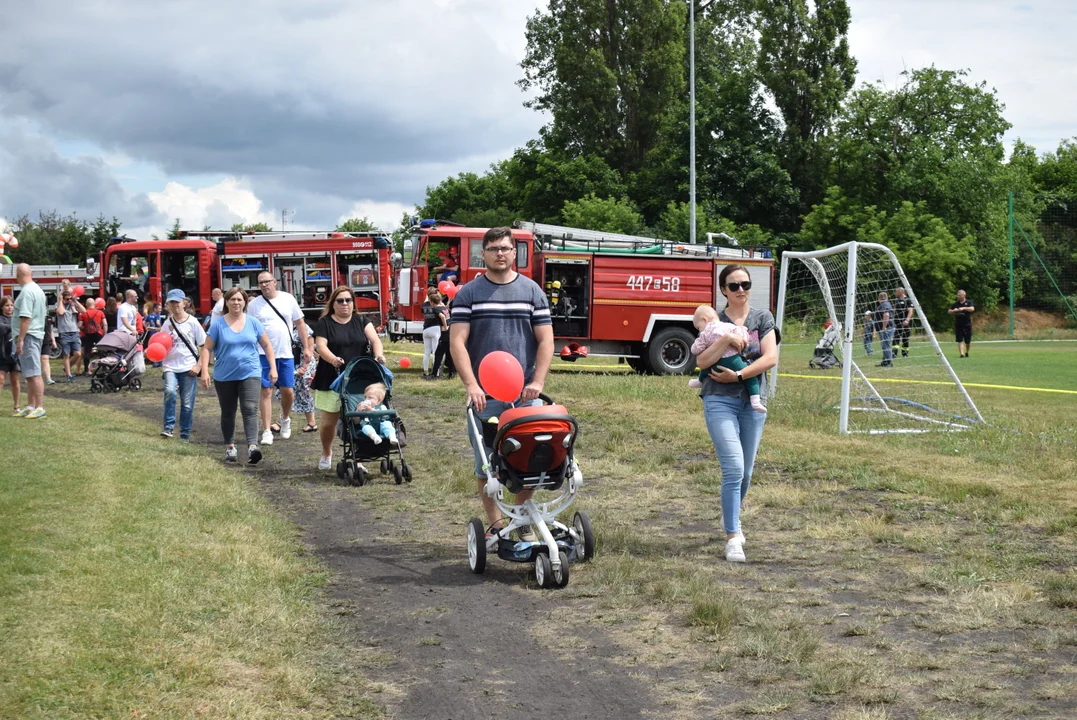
<point x="670" y="352"/>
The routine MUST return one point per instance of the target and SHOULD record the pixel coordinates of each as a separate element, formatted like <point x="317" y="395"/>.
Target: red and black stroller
<point x="532" y="447"/>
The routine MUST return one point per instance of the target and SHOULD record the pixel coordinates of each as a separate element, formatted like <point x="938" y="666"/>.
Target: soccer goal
<point x="898" y="384"/>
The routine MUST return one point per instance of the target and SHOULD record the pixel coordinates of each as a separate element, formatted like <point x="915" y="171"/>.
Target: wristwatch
<point x="739" y="378"/>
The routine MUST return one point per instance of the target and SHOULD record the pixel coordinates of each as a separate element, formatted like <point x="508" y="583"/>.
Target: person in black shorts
<point x="902" y="321"/>
<point x="962" y="311"/>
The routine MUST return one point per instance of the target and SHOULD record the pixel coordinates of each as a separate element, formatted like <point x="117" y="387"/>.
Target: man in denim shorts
<point x="30" y="309"/>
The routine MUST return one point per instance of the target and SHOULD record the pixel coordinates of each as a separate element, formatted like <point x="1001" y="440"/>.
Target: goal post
<point x="894" y="379"/>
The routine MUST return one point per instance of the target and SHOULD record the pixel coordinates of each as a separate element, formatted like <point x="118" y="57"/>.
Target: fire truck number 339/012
<point x="649" y="282"/>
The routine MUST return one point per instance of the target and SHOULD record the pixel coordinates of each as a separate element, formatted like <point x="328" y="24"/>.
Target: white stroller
<point x="118" y="363"/>
<point x="532" y="448"/>
<point x="823" y="357"/>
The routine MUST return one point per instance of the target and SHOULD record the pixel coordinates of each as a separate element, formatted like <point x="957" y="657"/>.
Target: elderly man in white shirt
<point x="279" y="313"/>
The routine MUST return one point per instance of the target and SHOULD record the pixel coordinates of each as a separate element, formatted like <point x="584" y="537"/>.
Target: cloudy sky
<point x="218" y="111"/>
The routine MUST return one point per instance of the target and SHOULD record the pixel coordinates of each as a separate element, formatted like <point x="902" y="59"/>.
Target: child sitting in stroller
<point x="710" y="330"/>
<point x="374" y="399"/>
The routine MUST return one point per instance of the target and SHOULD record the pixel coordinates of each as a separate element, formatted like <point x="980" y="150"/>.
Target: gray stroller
<point x="118" y="363"/>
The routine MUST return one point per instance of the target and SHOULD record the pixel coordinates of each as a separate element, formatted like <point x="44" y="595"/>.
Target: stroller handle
<point x="546" y="399"/>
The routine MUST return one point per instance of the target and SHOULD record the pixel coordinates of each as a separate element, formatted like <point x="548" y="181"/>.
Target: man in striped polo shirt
<point x="501" y="310"/>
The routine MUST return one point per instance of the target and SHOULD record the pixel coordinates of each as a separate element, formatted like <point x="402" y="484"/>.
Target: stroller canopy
<point x="118" y="341"/>
<point x="362" y="372"/>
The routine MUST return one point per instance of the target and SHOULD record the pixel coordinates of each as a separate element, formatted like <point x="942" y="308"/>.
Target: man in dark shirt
<point x="902" y="320"/>
<point x="884" y="325"/>
<point x="962" y="311"/>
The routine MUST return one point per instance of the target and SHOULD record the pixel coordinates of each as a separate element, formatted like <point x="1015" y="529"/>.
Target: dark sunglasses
<point x="344" y="301"/>
<point x="735" y="286"/>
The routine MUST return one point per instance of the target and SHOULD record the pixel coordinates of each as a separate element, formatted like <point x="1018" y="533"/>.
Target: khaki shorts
<point x="327" y="401"/>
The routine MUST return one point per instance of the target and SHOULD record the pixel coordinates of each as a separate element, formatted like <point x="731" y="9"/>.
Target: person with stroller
<point x="735" y="428"/>
<point x="374" y="399"/>
<point x="500" y="310"/>
<point x="434" y="325"/>
<point x="340" y="335"/>
<point x="181" y="367"/>
<point x="9" y="360"/>
<point x="233" y="341"/>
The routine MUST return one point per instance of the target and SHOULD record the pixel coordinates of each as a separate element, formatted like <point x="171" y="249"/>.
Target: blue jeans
<point x="868" y="337"/>
<point x="184" y="386"/>
<point x="735" y="429"/>
<point x="885" y="338"/>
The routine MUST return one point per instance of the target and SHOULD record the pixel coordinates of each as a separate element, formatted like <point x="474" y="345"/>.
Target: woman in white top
<point x="181" y="365"/>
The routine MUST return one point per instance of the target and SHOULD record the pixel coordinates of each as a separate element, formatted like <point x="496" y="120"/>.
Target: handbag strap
<point x="183" y="337"/>
<point x="286" y="323"/>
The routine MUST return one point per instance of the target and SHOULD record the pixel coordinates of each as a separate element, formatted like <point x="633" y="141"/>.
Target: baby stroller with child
<point x="532" y="447"/>
<point x="823" y="357"/>
<point x="357" y="375"/>
<point x="117" y="363"/>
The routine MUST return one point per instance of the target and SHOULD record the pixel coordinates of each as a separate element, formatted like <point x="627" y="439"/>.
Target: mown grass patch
<point x="155" y="583"/>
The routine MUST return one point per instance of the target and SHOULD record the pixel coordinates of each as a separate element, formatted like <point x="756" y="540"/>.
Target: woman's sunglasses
<point x="736" y="286"/>
<point x="344" y="301"/>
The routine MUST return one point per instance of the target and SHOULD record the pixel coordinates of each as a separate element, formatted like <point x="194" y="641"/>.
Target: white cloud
<point x="218" y="206"/>
<point x="384" y="215"/>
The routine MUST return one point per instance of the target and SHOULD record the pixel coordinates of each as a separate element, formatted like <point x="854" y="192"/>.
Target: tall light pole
<point x="692" y="121"/>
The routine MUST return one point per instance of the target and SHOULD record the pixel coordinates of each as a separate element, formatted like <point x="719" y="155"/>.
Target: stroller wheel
<point x="405" y="470"/>
<point x="476" y="546"/>
<point x="398" y="475"/>
<point x="581" y="523"/>
<point x="543" y="571"/>
<point x="359" y="475"/>
<point x="384" y="466"/>
<point x="559" y="577"/>
<point x="95" y="387"/>
<point x="342" y="470"/>
<point x="136" y="385"/>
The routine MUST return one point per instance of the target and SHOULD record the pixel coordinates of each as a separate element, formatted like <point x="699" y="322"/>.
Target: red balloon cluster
<point x="451" y="292"/>
<point x="501" y="376"/>
<point x="160" y="344"/>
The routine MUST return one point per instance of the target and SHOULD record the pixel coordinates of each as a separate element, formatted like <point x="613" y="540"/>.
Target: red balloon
<point x="156" y="352"/>
<point x="161" y="338"/>
<point x="99" y="303"/>
<point x="405" y="362"/>
<point x="443" y="286"/>
<point x="501" y="376"/>
<point x="78" y="290"/>
<point x="451" y="292"/>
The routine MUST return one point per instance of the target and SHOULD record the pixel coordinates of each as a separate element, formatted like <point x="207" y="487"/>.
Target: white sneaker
<point x="740" y="537"/>
<point x="325" y="462"/>
<point x="230" y="454"/>
<point x="267" y="437"/>
<point x="734" y="550"/>
<point x="285" y="428"/>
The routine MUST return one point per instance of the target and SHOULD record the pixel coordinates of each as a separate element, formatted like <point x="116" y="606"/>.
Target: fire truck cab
<point x="619" y="296"/>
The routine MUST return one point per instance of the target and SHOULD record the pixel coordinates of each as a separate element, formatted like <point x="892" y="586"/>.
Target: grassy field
<point x="926" y="576"/>
<point x="137" y="584"/>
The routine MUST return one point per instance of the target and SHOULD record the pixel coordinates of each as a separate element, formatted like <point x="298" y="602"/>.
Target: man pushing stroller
<point x="500" y="310"/>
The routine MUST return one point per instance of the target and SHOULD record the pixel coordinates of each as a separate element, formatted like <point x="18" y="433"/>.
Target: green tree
<point x="486" y="200"/>
<point x="804" y="61"/>
<point x="543" y="180"/>
<point x="607" y="71"/>
<point x="606" y="214"/>
<point x="362" y="224"/>
<point x="175" y="230"/>
<point x="55" y="239"/>
<point x="253" y="227"/>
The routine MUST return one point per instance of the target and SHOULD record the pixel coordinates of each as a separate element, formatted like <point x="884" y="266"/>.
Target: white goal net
<point x="874" y="370"/>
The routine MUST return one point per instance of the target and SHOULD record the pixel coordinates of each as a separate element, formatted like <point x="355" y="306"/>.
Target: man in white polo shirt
<point x="127" y="315"/>
<point x="278" y="312"/>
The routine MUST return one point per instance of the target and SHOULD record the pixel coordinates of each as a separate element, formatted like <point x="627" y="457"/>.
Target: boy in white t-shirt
<point x="180" y="366"/>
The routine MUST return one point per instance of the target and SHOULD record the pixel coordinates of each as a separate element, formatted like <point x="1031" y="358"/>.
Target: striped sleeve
<point x="540" y="313"/>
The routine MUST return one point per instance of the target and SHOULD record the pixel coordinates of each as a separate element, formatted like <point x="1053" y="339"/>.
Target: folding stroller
<point x="823" y="357"/>
<point x="532" y="447"/>
<point x="358" y="448"/>
<point x="118" y="363"/>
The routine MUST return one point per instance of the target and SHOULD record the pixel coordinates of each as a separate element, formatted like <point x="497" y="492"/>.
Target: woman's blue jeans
<point x="735" y="430"/>
<point x="183" y="386"/>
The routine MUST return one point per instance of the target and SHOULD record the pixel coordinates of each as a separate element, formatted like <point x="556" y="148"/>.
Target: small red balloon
<point x="405" y="362"/>
<point x="161" y="338"/>
<point x="78" y="290"/>
<point x="99" y="303"/>
<point x="501" y="376"/>
<point x="451" y="292"/>
<point x="443" y="286"/>
<point x="156" y="352"/>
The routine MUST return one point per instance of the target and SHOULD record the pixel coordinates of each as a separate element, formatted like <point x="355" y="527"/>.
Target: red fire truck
<point x="306" y="264"/>
<point x="620" y="296"/>
<point x="50" y="278"/>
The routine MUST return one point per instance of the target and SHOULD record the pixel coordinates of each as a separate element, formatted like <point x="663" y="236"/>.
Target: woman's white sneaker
<point x="734" y="550"/>
<point x="325" y="462"/>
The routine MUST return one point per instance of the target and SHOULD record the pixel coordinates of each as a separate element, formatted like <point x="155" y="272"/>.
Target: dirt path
<point x="455" y="645"/>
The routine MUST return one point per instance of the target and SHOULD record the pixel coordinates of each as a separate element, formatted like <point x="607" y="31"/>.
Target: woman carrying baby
<point x="735" y="426"/>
